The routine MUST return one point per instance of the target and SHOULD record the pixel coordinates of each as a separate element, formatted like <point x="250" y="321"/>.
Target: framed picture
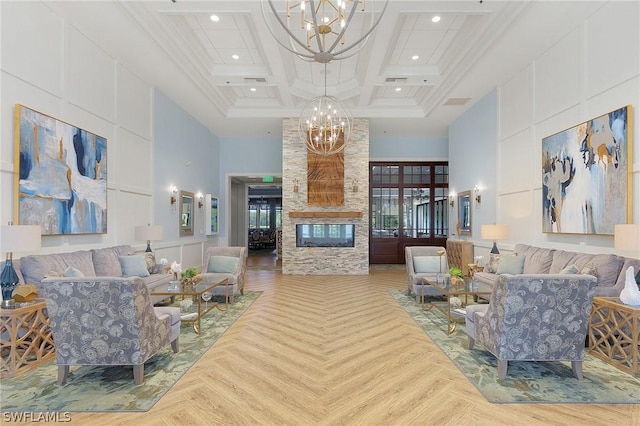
<point x="61" y="177"/>
<point x="211" y="219"/>
<point x="186" y="213"/>
<point x="586" y="182"/>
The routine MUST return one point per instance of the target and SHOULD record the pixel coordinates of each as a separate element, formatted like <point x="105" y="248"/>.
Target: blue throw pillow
<point x="510" y="264"/>
<point x="134" y="266"/>
<point x="428" y="264"/>
<point x="223" y="264"/>
<point x="72" y="272"/>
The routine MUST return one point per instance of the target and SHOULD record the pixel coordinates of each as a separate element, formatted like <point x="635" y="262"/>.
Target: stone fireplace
<point x="313" y="259"/>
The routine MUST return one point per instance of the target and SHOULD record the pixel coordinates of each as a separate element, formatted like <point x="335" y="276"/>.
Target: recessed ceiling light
<point x="435" y="19"/>
<point x="253" y="89"/>
<point x="214" y="18"/>
<point x="235" y="56"/>
<point x="398" y="89"/>
<point x="415" y="57"/>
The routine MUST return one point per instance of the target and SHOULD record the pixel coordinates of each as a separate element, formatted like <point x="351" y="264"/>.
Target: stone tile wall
<point x="322" y="260"/>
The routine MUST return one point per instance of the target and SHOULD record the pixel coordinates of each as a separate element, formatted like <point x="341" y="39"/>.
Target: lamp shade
<point x="494" y="232"/>
<point x="18" y="238"/>
<point x="149" y="233"/>
<point x="627" y="237"/>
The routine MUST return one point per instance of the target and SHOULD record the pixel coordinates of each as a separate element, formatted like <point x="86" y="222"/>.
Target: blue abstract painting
<point x="62" y="175"/>
<point x="586" y="187"/>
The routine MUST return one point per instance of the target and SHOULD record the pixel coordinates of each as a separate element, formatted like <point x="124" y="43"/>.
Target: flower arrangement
<point x="190" y="277"/>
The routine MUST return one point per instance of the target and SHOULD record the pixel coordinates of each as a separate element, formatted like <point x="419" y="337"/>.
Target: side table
<point x="25" y="337"/>
<point x="614" y="333"/>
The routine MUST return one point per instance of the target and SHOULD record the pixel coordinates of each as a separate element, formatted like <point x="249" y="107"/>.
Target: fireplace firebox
<point x="325" y="235"/>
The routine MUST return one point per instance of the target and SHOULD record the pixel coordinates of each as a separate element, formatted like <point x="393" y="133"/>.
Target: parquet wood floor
<point x="337" y="350"/>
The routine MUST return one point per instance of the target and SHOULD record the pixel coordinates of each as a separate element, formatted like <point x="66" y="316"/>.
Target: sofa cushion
<point x="538" y="260"/>
<point x="134" y="266"/>
<point x="106" y="261"/>
<point x="608" y="268"/>
<point x="34" y="268"/>
<point x="511" y="264"/>
<point x="425" y="264"/>
<point x="223" y="264"/>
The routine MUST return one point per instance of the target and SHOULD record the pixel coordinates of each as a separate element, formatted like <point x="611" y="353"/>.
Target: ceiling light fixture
<point x="415" y="57"/>
<point x="319" y="33"/>
<point x="325" y="124"/>
<point x="215" y="18"/>
<point x="435" y="19"/>
<point x="398" y="89"/>
<point x="235" y="56"/>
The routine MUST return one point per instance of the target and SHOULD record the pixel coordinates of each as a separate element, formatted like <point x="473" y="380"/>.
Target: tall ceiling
<point x="472" y="49"/>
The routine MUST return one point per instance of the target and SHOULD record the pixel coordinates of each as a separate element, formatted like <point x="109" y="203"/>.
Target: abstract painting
<point x="62" y="179"/>
<point x="586" y="185"/>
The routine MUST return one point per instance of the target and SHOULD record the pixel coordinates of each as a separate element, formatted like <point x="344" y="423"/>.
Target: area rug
<point x="110" y="389"/>
<point x="526" y="382"/>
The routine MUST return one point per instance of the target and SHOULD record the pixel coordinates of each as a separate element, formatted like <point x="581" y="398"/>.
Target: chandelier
<point x="325" y="124"/>
<point x="319" y="32"/>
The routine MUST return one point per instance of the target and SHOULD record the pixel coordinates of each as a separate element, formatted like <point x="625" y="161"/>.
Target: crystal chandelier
<point x="325" y="124"/>
<point x="319" y="33"/>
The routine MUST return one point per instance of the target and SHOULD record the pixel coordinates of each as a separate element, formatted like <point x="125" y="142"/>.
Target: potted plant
<point x="189" y="277"/>
<point x="454" y="271"/>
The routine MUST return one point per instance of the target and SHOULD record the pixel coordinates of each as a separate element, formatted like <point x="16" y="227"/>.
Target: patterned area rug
<point x="87" y="387"/>
<point x="526" y="382"/>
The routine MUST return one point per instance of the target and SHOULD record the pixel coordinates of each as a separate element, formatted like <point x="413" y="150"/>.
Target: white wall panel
<point x="521" y="217"/>
<point x="516" y="162"/>
<point x="32" y="44"/>
<point x="612" y="46"/>
<point x="90" y="76"/>
<point x="134" y="161"/>
<point x="516" y="103"/>
<point x="558" y="76"/>
<point x="134" y="103"/>
<point x="129" y="213"/>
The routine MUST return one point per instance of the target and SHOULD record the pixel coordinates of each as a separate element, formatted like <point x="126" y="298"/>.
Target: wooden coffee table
<point x="469" y="290"/>
<point x="198" y="308"/>
<point x="614" y="333"/>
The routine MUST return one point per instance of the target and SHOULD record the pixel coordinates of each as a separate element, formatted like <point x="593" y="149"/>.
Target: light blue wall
<point x="187" y="155"/>
<point x="472" y="159"/>
<point x="262" y="156"/>
<point x="408" y="149"/>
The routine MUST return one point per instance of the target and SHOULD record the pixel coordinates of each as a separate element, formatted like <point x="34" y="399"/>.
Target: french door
<point x="408" y="205"/>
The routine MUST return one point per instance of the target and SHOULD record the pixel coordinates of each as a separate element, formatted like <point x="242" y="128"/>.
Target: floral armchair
<point x="106" y="321"/>
<point x="534" y="318"/>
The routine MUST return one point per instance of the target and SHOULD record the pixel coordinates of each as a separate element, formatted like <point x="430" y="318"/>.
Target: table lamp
<point x="627" y="237"/>
<point x="149" y="232"/>
<point x="494" y="232"/>
<point x="15" y="238"/>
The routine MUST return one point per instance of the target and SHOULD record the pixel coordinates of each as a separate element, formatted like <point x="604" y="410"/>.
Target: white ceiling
<point x="474" y="48"/>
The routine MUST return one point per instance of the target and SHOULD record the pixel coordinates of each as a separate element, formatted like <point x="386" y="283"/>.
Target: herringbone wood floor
<point x="337" y="350"/>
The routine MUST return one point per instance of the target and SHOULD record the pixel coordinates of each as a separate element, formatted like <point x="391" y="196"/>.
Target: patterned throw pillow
<point x="494" y="262"/>
<point x="569" y="269"/>
<point x="150" y="259"/>
<point x="589" y="269"/>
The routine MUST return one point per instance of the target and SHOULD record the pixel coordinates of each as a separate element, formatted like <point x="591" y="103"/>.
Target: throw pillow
<point x="426" y="264"/>
<point x="511" y="264"/>
<point x="223" y="264"/>
<point x="72" y="272"/>
<point x="133" y="266"/>
<point x="638" y="279"/>
<point x="569" y="269"/>
<point x="494" y="262"/>
<point x="589" y="269"/>
<point x="150" y="260"/>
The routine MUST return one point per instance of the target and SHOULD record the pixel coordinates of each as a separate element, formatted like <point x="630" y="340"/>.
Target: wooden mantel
<point x="317" y="214"/>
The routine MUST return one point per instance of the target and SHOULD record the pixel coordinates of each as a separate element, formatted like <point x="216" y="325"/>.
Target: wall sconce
<point x="476" y="194"/>
<point x="295" y="185"/>
<point x="174" y="195"/>
<point x="354" y="185"/>
<point x="452" y="197"/>
<point x="200" y="199"/>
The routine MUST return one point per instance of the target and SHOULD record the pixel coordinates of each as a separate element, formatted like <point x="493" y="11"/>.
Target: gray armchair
<point x="225" y="262"/>
<point x="106" y="321"/>
<point x="534" y="318"/>
<point x="423" y="261"/>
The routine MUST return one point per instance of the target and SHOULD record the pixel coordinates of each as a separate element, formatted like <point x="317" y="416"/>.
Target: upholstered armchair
<point x="424" y="261"/>
<point x="542" y="317"/>
<point x="106" y="321"/>
<point x="225" y="262"/>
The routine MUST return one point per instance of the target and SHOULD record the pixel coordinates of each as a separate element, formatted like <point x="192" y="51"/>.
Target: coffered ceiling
<point x="473" y="48"/>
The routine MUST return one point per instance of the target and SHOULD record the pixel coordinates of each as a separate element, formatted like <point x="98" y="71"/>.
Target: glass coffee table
<point x="467" y="289"/>
<point x="199" y="306"/>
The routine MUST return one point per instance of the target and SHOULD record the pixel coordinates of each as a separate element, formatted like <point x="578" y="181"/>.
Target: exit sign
<point x="267" y="179"/>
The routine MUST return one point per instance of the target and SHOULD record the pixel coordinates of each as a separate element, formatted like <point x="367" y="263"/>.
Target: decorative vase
<point x="8" y="281"/>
